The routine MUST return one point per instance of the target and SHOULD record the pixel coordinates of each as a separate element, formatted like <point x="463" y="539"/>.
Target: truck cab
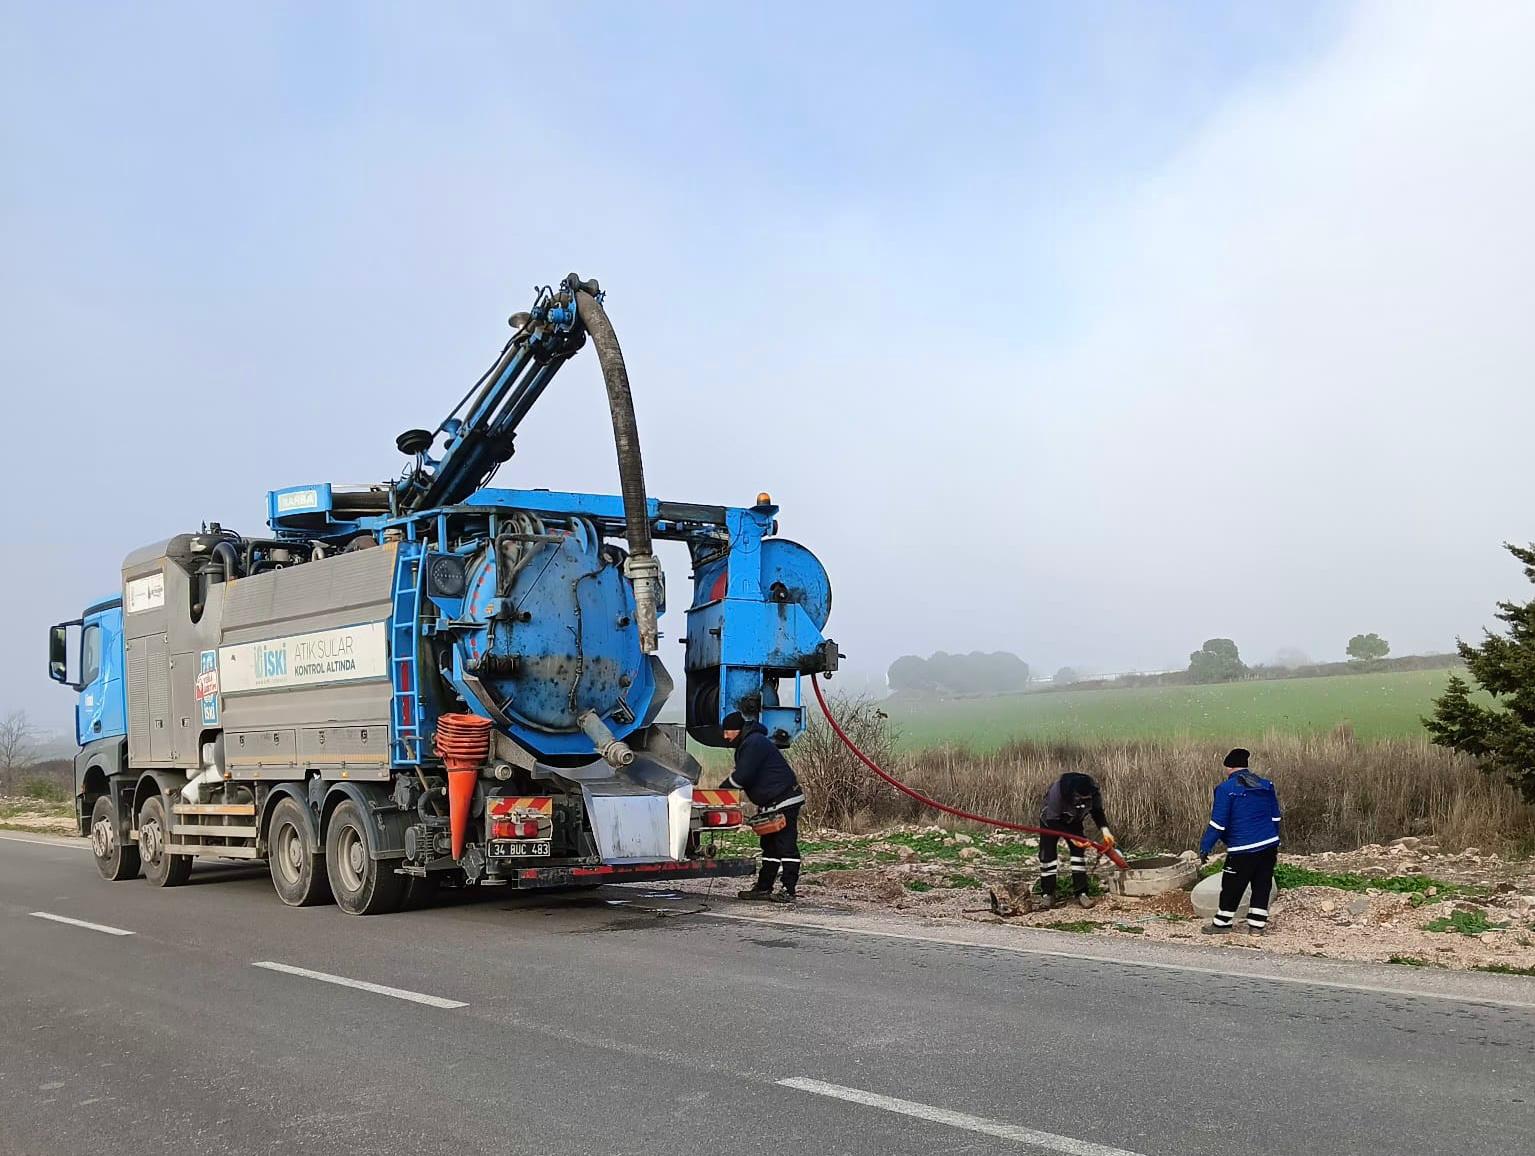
<point x="86" y="654"/>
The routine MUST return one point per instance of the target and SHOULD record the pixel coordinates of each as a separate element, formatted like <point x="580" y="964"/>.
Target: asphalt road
<point x="626" y="1022"/>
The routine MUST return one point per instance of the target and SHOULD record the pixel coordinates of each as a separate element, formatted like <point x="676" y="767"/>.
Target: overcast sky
<point x="1087" y="332"/>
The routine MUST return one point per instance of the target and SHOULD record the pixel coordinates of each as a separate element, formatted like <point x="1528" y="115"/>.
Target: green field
<point x="1377" y="706"/>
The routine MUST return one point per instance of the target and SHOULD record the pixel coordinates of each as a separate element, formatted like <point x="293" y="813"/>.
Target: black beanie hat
<point x="1238" y="758"/>
<point x="734" y="721"/>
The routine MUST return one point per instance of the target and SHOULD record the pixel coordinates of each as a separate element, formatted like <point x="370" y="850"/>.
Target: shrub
<point x="45" y="790"/>
<point x="838" y="788"/>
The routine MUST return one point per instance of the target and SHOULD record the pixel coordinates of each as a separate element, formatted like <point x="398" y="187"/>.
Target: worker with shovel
<point x="1244" y="816"/>
<point x="1068" y="803"/>
<point x="769" y="781"/>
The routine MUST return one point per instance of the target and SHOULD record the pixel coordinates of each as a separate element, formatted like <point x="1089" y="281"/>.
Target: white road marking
<point x="998" y="1128"/>
<point x="362" y="985"/>
<point x="1123" y="961"/>
<point x="101" y="927"/>
<point x="64" y="842"/>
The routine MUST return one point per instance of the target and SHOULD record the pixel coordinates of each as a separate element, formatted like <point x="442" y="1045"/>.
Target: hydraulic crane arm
<point x="477" y="437"/>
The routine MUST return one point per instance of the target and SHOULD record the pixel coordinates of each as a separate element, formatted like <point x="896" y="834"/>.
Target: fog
<point x="1087" y="339"/>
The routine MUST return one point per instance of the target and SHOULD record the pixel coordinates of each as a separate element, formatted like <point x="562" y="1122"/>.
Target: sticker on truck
<point x="146" y="593"/>
<point x="346" y="654"/>
<point x="206" y="689"/>
<point x="290" y="500"/>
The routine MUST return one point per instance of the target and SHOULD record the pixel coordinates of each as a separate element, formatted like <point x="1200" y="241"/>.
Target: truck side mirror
<point x="58" y="652"/>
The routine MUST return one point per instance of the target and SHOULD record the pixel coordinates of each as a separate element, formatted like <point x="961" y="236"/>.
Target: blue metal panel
<point x="603" y="506"/>
<point x="311" y="499"/>
<point x="102" y="709"/>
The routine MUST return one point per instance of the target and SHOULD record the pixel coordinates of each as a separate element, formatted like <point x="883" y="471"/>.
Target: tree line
<point x="1002" y="672"/>
<point x="999" y="672"/>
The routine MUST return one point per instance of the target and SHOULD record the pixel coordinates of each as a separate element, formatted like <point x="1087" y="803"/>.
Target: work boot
<point x="1084" y="900"/>
<point x="755" y="893"/>
<point x="782" y="897"/>
<point x="1215" y="929"/>
<point x="1258" y="931"/>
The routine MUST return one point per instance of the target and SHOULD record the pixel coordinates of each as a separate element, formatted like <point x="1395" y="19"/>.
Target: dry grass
<point x="1337" y="793"/>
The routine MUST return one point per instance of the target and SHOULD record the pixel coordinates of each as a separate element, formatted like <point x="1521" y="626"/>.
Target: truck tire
<point x="297" y="867"/>
<point x="161" y="868"/>
<point x="115" y="859"/>
<point x="361" y="884"/>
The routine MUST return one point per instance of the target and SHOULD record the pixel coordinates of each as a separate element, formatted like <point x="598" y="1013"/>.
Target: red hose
<point x="1102" y="848"/>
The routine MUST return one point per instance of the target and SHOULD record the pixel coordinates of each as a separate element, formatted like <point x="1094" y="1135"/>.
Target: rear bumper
<point x="627" y="873"/>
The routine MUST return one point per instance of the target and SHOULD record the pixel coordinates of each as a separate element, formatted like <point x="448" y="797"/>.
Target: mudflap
<point x="627" y="873"/>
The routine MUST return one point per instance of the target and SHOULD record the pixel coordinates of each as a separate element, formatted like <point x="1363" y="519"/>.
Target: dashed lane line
<point x="361" y="984"/>
<point x="1049" y="1141"/>
<point x="101" y="927"/>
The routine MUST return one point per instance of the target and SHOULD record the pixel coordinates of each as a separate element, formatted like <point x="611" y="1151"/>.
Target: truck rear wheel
<point x="161" y="868"/>
<point x="361" y="884"/>
<point x="298" y="870"/>
<point x="115" y="859"/>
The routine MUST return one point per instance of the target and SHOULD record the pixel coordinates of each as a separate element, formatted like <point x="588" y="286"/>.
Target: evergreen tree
<point x="1500" y="737"/>
<point x="1216" y="661"/>
<point x="1368" y="647"/>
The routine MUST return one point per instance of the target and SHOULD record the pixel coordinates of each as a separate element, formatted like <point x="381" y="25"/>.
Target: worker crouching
<point x="769" y="781"/>
<point x="1068" y="803"/>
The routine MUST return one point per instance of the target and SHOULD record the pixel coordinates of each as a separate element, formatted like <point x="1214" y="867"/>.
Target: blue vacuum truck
<point x="430" y="680"/>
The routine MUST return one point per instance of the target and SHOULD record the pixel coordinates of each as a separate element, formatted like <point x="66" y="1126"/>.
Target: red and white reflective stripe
<point x="536" y="804"/>
<point x="710" y="797"/>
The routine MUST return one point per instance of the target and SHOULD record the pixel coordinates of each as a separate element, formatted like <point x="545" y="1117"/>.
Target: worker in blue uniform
<point x="1069" y="801"/>
<point x="770" y="782"/>
<point x="1245" y="816"/>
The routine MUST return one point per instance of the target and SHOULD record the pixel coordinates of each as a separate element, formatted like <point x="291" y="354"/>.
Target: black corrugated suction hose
<point x="626" y="432"/>
<point x="626" y="440"/>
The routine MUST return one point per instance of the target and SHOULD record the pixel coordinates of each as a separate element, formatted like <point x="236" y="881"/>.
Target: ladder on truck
<point x="222" y="830"/>
<point x="405" y="725"/>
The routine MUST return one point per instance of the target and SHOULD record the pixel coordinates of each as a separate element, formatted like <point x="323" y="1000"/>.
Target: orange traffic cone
<point x="463" y="741"/>
<point x="460" y="800"/>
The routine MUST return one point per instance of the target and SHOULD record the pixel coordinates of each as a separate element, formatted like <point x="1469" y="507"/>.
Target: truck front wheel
<point x="161" y="868"/>
<point x="361" y="884"/>
<point x="115" y="859"/>
<point x="298" y="871"/>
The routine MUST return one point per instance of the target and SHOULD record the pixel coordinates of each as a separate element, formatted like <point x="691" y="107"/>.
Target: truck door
<point x="101" y="712"/>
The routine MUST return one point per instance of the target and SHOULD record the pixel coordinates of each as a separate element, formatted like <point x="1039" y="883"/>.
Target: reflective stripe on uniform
<point x="1254" y="846"/>
<point x="789" y="802"/>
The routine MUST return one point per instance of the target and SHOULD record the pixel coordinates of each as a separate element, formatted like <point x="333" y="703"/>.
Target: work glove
<point x="1109" y="842"/>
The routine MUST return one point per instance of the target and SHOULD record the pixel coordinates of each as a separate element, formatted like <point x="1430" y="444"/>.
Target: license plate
<point x="519" y="848"/>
